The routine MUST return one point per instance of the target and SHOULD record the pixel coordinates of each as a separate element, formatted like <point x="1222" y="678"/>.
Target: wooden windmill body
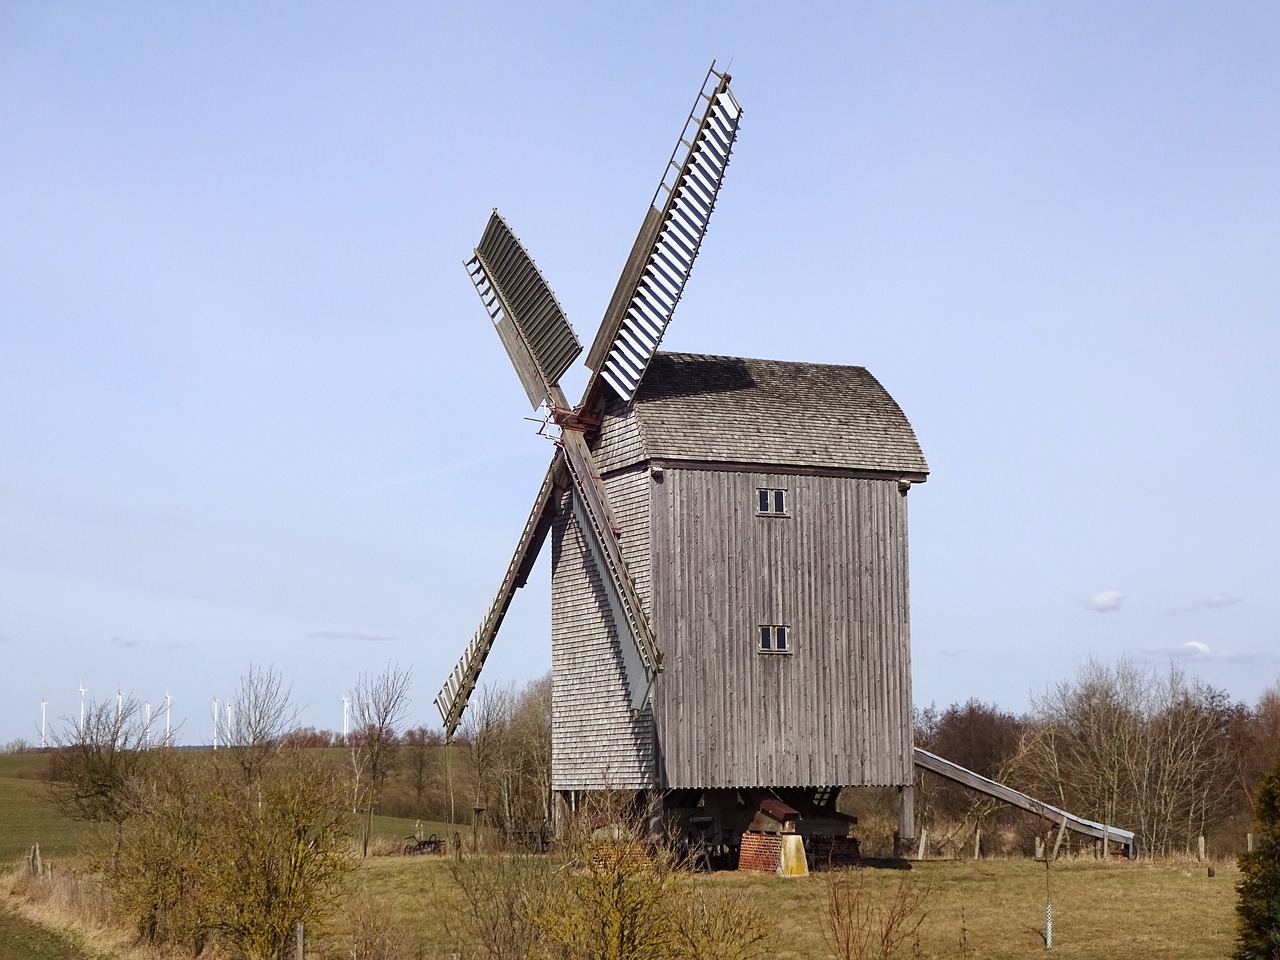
<point x="730" y="622"/>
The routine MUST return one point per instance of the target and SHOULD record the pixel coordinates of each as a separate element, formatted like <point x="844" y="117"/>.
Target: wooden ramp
<point x="967" y="778"/>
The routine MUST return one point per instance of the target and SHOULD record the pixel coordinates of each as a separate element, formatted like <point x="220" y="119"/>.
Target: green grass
<point x="22" y="940"/>
<point x="28" y="816"/>
<point x="23" y="766"/>
<point x="391" y="833"/>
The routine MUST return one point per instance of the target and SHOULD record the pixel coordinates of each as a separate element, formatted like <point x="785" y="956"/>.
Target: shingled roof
<point x="737" y="410"/>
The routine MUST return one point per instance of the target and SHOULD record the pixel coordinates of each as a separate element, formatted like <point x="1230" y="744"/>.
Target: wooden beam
<point x="974" y="781"/>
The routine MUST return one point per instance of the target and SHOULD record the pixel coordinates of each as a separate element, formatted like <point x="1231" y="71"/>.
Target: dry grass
<point x="1118" y="910"/>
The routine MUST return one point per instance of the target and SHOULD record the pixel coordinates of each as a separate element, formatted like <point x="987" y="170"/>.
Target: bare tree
<point x="379" y="706"/>
<point x="1130" y="747"/>
<point x="483" y="739"/>
<point x="264" y="714"/>
<point x="95" y="762"/>
<point x="531" y="740"/>
<point x="420" y="746"/>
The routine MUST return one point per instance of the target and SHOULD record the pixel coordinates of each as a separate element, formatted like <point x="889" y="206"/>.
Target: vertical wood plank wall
<point x="836" y="710"/>
<point x="596" y="744"/>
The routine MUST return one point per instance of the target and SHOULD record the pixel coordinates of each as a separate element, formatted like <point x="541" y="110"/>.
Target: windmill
<point x="729" y="631"/>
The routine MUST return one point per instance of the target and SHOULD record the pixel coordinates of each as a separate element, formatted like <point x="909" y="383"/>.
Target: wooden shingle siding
<point x="595" y="744"/>
<point x="629" y="495"/>
<point x="619" y="442"/>
<point x="835" y="709"/>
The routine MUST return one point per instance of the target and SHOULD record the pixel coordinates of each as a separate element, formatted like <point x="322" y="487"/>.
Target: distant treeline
<point x="1156" y="751"/>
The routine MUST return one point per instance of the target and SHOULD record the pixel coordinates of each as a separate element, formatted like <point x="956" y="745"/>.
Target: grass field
<point x="27" y="816"/>
<point x="1118" y="910"/>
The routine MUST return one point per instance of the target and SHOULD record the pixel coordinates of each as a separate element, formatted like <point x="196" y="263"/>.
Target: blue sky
<point x="251" y="411"/>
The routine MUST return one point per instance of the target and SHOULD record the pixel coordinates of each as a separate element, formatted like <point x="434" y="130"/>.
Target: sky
<point x="251" y="410"/>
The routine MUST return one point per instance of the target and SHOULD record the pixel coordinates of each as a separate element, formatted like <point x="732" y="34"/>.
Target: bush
<point x="612" y="894"/>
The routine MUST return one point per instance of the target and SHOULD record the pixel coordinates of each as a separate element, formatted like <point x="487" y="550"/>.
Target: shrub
<point x="1258" y="906"/>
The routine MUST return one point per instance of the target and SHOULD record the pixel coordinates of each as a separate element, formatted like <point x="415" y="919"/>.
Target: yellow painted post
<point x="791" y="859"/>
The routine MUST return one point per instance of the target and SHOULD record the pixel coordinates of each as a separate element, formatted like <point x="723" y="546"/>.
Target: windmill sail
<point x="452" y="699"/>
<point x="525" y="312"/>
<point x="662" y="258"/>
<point x="591" y="505"/>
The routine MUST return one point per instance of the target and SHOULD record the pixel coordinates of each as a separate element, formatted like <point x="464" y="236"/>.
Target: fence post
<point x="1200" y="847"/>
<point x="1248" y="843"/>
<point x="298" y="941"/>
<point x="1062" y="830"/>
<point x="977" y="842"/>
<point x="924" y="836"/>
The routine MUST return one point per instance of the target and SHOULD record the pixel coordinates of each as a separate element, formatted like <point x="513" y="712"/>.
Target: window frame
<point x="774" y="638"/>
<point x="769" y="497"/>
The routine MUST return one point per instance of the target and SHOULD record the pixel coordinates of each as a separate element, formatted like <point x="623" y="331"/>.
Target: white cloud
<point x="125" y="643"/>
<point x="346" y="636"/>
<point x="1216" y="601"/>
<point x="1199" y="651"/>
<point x="1106" y="601"/>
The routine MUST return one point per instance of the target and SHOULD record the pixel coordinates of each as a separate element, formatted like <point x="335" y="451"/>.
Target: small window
<point x="775" y="638"/>
<point x="770" y="501"/>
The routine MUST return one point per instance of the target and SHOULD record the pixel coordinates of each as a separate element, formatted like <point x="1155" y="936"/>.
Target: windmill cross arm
<point x="602" y="532"/>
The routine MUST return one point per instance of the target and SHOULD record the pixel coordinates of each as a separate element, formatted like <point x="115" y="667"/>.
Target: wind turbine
<point x="346" y="713"/>
<point x="43" y="704"/>
<point x="167" y="700"/>
<point x="231" y="727"/>
<point x="215" y="723"/>
<point x="146" y="731"/>
<point x="83" y="691"/>
<point x="119" y="701"/>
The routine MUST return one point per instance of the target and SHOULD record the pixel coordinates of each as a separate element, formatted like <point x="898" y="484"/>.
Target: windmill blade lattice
<point x="452" y="699"/>
<point x="672" y="233"/>
<point x="526" y="314"/>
